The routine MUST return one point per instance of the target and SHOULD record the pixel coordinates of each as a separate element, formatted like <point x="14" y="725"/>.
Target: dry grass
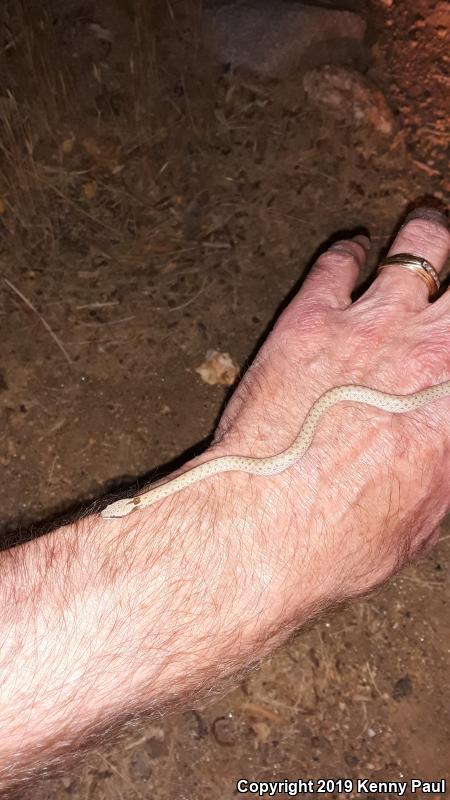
<point x="85" y="136"/>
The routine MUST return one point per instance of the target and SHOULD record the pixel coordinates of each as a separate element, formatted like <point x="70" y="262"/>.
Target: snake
<point x="272" y="465"/>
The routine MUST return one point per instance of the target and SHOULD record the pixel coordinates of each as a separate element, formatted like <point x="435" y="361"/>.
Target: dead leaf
<point x="2" y="206"/>
<point x="67" y="146"/>
<point x="218" y="369"/>
<point x="90" y="190"/>
<point x="104" y="152"/>
<point x="261" y="731"/>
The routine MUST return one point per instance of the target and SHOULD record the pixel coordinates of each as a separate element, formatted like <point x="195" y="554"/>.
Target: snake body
<point x="271" y="465"/>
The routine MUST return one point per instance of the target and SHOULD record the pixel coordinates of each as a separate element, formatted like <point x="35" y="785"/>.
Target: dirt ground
<point x="155" y="205"/>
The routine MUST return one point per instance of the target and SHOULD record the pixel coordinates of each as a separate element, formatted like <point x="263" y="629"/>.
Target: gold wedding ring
<point x="416" y="264"/>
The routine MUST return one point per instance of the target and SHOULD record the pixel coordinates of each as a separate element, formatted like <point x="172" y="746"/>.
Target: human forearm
<point x="109" y="618"/>
<point x="104" y="619"/>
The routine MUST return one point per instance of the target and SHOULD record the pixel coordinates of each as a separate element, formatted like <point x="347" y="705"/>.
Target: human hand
<point x="370" y="492"/>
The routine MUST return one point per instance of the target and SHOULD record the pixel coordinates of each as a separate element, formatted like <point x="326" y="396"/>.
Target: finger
<point x="334" y="275"/>
<point x="425" y="233"/>
<point x="429" y="541"/>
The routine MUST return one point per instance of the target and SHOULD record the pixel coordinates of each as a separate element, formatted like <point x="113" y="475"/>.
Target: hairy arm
<point x="105" y="619"/>
<point x="102" y="620"/>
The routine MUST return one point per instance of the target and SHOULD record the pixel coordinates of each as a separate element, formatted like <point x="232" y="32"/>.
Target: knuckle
<point x="312" y="327"/>
<point x="336" y="258"/>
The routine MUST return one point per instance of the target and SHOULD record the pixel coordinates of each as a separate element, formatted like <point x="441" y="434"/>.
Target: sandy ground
<point x="154" y="206"/>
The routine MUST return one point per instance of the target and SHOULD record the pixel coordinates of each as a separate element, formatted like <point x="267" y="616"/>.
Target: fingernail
<point x="363" y="240"/>
<point x="429" y="214"/>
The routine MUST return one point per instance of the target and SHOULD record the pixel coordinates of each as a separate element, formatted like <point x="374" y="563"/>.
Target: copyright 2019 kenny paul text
<point x="349" y="786"/>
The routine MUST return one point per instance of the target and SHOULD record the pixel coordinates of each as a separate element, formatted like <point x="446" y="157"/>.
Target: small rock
<point x="275" y="38"/>
<point x="402" y="688"/>
<point x="348" y="95"/>
<point x="224" y="731"/>
<point x="218" y="368"/>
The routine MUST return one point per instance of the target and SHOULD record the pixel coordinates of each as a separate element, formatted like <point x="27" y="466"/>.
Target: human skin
<point x="103" y="620"/>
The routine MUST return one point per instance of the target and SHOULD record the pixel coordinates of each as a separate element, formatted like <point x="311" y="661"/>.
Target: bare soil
<point x="154" y="206"/>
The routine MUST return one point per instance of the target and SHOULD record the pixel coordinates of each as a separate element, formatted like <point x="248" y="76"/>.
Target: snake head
<point x="121" y="508"/>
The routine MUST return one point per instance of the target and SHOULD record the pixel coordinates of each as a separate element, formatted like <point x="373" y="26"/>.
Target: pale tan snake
<point x="271" y="465"/>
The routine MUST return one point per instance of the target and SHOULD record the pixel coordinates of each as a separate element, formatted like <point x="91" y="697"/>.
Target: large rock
<point x="274" y="38"/>
<point x="349" y="96"/>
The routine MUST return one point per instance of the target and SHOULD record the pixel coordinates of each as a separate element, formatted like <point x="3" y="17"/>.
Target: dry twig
<point x="41" y="318"/>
